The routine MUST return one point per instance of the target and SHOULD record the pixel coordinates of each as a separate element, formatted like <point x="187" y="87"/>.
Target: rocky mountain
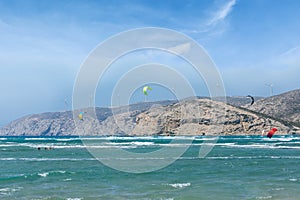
<point x="199" y="116"/>
<point x="285" y="106"/>
<point x="239" y="101"/>
<point x="62" y="123"/>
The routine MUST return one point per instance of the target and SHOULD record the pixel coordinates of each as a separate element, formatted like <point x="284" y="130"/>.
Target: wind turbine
<point x="271" y="88"/>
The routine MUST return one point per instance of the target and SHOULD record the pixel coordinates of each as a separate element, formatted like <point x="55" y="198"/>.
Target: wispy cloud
<point x="289" y="58"/>
<point x="290" y="51"/>
<point x="222" y="13"/>
<point x="181" y="49"/>
<point x="213" y="26"/>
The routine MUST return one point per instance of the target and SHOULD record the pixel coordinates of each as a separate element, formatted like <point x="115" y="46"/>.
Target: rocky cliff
<point x="200" y="116"/>
<point x="285" y="106"/>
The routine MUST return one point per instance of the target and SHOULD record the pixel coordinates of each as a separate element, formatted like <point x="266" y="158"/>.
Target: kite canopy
<point x="80" y="116"/>
<point x="252" y="99"/>
<point x="145" y="90"/>
<point x="271" y="132"/>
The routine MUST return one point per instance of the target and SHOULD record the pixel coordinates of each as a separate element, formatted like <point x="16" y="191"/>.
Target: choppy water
<point x="241" y="167"/>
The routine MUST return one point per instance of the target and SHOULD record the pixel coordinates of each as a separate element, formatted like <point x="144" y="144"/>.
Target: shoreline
<point x="145" y="136"/>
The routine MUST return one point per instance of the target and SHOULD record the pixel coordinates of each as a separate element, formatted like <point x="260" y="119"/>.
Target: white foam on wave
<point x="55" y="159"/>
<point x="265" y="197"/>
<point x="46" y="159"/>
<point x="287" y="147"/>
<point x="51" y="139"/>
<point x="43" y="174"/>
<point x="206" y="138"/>
<point x="250" y="145"/>
<point x="8" y="191"/>
<point x="39" y="138"/>
<point x="261" y="146"/>
<point x="281" y="139"/>
<point x="219" y="144"/>
<point x="67" y="139"/>
<point x="142" y="143"/>
<point x="95" y="146"/>
<point x="180" y="185"/>
<point x="286" y="143"/>
<point x="8" y="145"/>
<point x="4" y="159"/>
<point x="146" y="138"/>
<point x="148" y="158"/>
<point x="293" y="179"/>
<point x="139" y="143"/>
<point x="251" y="157"/>
<point x="66" y="146"/>
<point x="277" y="189"/>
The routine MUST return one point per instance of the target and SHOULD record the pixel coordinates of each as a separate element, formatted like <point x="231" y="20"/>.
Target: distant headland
<point x="192" y="116"/>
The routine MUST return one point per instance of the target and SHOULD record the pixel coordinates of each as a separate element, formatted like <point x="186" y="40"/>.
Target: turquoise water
<point x="237" y="168"/>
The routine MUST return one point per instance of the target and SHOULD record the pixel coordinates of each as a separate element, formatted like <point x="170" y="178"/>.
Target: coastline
<point x="190" y="117"/>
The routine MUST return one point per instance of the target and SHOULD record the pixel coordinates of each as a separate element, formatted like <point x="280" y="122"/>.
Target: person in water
<point x="46" y="148"/>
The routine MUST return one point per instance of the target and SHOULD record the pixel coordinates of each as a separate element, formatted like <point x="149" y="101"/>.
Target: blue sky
<point x="43" y="44"/>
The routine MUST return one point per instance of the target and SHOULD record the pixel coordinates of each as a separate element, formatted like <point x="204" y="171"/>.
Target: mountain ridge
<point x="192" y="116"/>
<point x="285" y="106"/>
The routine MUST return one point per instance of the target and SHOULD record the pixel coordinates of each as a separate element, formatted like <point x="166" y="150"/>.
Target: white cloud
<point x="290" y="54"/>
<point x="222" y="13"/>
<point x="212" y="26"/>
<point x="181" y="49"/>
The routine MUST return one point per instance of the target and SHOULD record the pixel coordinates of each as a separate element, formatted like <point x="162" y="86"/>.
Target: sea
<point x="162" y="168"/>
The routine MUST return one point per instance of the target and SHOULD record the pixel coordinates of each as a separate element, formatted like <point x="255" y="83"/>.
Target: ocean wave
<point x="47" y="159"/>
<point x="293" y="179"/>
<point x="251" y="157"/>
<point x="149" y="158"/>
<point x="66" y="146"/>
<point x="265" y="197"/>
<point x="287" y="143"/>
<point x="37" y="138"/>
<point x="138" y="144"/>
<point x="34" y="175"/>
<point x="8" y="191"/>
<point x="261" y="146"/>
<point x="67" y="139"/>
<point x="149" y="138"/>
<point x="51" y="139"/>
<point x="180" y="185"/>
<point x="281" y="139"/>
<point x="11" y="145"/>
<point x="45" y="174"/>
<point x="154" y="141"/>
